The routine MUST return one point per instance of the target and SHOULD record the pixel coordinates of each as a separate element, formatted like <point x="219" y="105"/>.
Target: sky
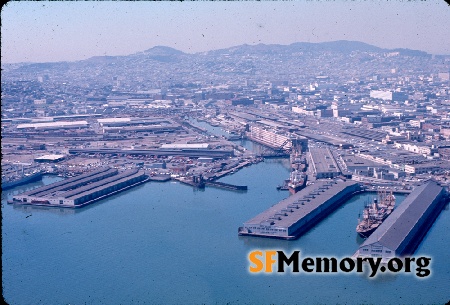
<point x="36" y="31"/>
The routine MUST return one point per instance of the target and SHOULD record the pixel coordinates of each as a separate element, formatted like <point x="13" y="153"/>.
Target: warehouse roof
<point x="56" y="186"/>
<point x="301" y="204"/>
<point x="393" y="231"/>
<point x="114" y="120"/>
<point x="185" y="146"/>
<point x="52" y="124"/>
<point x="102" y="184"/>
<point x="323" y="160"/>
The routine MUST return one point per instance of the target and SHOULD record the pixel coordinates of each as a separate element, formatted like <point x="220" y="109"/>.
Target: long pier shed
<point x="296" y="214"/>
<point x="401" y="233"/>
<point x="83" y="189"/>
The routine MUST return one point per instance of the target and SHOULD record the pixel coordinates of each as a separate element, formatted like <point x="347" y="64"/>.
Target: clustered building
<point x="391" y="108"/>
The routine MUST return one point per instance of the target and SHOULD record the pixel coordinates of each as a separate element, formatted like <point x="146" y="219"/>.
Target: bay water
<point x="167" y="243"/>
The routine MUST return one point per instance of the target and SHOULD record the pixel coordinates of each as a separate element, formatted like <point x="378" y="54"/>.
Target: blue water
<point x="215" y="130"/>
<point x="167" y="243"/>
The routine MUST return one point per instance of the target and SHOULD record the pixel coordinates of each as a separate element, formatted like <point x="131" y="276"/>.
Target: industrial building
<point x="50" y="158"/>
<point x="83" y="189"/>
<point x="403" y="230"/>
<point x="388" y="95"/>
<point x="360" y="166"/>
<point x="422" y="168"/>
<point x="325" y="139"/>
<point x="296" y="214"/>
<point x="366" y="134"/>
<point x="277" y="140"/>
<point x="323" y="163"/>
<point x="243" y="115"/>
<point x="120" y="125"/>
<point x="54" y="125"/>
<point x="186" y="146"/>
<point x="194" y="153"/>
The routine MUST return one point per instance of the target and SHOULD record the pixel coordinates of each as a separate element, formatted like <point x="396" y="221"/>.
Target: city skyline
<point x="63" y="31"/>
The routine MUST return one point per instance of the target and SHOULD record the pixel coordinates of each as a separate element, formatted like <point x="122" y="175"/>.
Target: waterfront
<point x="183" y="198"/>
<point x="170" y="243"/>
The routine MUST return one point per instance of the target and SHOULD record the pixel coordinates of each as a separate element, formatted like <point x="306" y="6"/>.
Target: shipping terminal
<point x="82" y="190"/>
<point x="296" y="214"/>
<point x="399" y="235"/>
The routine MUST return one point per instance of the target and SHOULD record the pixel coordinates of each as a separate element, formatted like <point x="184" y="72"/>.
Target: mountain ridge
<point x="342" y="46"/>
<point x="168" y="54"/>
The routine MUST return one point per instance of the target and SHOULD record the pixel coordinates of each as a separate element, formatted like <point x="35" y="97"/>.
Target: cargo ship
<point x="375" y="213"/>
<point x="297" y="181"/>
<point x="24" y="179"/>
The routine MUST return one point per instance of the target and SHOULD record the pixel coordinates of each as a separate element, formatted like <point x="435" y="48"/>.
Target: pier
<point x="191" y="181"/>
<point x="401" y="233"/>
<point x="226" y="186"/>
<point x="83" y="189"/>
<point x="198" y="182"/>
<point x="193" y="153"/>
<point x="298" y="213"/>
<point x="224" y="173"/>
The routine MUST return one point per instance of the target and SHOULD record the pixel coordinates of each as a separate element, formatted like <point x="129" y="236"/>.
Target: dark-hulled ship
<point x="375" y="213"/>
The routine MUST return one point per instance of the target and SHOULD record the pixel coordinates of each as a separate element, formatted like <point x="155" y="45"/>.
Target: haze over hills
<point x="164" y="65"/>
<point x="342" y="46"/>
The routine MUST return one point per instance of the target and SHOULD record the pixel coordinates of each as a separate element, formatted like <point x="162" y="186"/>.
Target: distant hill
<point x="409" y="52"/>
<point x="162" y="51"/>
<point x="61" y="66"/>
<point x="340" y="46"/>
<point x="226" y="61"/>
<point x="344" y="46"/>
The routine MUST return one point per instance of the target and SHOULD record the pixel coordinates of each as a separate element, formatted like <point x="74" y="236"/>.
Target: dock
<point x="226" y="186"/>
<point x="229" y="171"/>
<point x="191" y="182"/>
<point x="295" y="215"/>
<point x="200" y="183"/>
<point x="401" y="233"/>
<point x="160" y="178"/>
<point x="81" y="190"/>
<point x="394" y="191"/>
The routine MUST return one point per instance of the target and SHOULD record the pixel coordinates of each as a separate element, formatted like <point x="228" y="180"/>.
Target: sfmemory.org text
<point x="269" y="261"/>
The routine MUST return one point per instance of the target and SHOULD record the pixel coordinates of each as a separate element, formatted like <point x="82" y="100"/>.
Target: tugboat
<point x="375" y="213"/>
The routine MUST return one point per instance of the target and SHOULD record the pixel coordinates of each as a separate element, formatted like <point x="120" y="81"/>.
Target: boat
<point x="284" y="186"/>
<point x="375" y="213"/>
<point x="21" y="180"/>
<point x="298" y="160"/>
<point x="297" y="181"/>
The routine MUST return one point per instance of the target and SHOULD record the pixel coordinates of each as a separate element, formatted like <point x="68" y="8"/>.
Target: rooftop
<point x="323" y="160"/>
<point x="301" y="203"/>
<point x="394" y="230"/>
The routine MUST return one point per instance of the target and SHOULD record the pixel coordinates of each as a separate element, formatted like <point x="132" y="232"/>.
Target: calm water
<point x="168" y="243"/>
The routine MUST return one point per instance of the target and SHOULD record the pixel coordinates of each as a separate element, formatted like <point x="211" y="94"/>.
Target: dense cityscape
<point x="384" y="114"/>
<point x="350" y="118"/>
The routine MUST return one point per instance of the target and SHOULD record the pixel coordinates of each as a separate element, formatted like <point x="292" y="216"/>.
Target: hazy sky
<point x="65" y="31"/>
